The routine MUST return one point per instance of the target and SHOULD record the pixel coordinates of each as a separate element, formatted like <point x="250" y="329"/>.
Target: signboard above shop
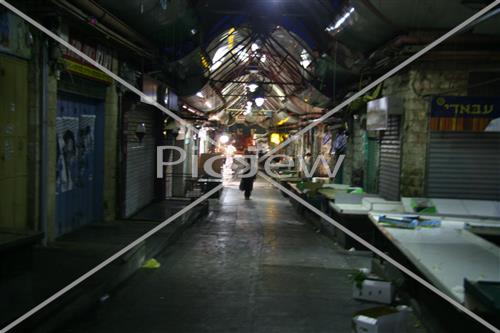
<point x="75" y="64"/>
<point x="465" y="114"/>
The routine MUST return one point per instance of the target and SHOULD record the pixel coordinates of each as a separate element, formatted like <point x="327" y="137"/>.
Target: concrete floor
<point x="252" y="266"/>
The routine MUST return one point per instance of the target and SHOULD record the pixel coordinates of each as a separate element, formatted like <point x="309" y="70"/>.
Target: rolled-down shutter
<point x="464" y="165"/>
<point x="140" y="163"/>
<point x="390" y="160"/>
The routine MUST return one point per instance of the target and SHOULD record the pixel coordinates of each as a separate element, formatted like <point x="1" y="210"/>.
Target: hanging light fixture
<point x="249" y="108"/>
<point x="252" y="87"/>
<point x="259" y="101"/>
<point x="259" y="97"/>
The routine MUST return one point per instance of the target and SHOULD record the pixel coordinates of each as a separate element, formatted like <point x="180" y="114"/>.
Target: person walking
<point x="246" y="183"/>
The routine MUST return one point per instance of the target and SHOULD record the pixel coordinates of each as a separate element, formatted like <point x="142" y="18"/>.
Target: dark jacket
<point x="246" y="184"/>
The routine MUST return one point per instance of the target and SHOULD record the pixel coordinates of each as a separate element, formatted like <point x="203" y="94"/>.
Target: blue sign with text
<point x="465" y="107"/>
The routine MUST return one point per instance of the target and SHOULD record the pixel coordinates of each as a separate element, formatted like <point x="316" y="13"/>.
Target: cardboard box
<point x="374" y="291"/>
<point x="381" y="320"/>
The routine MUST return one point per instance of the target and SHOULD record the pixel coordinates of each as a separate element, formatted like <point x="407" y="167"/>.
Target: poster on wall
<point x="465" y="114"/>
<point x="86" y="148"/>
<point x="67" y="153"/>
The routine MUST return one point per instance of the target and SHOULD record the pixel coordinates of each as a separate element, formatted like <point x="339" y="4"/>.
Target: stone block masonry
<point x="415" y="87"/>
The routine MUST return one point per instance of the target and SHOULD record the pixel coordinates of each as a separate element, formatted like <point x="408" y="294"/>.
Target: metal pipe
<point x="106" y="20"/>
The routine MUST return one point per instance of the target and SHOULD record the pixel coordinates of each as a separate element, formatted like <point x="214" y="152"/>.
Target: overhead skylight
<point x="222" y="52"/>
<point x="218" y="58"/>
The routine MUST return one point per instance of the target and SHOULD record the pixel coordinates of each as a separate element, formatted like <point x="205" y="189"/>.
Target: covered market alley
<point x="249" y="166"/>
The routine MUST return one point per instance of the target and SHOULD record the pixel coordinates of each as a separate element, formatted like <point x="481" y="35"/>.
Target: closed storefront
<point x="80" y="161"/>
<point x="464" y="165"/>
<point x="390" y="160"/>
<point x="464" y="148"/>
<point x="140" y="155"/>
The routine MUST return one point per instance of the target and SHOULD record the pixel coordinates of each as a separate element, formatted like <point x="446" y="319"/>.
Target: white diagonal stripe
<point x="381" y="79"/>
<point x="380" y="253"/>
<point x="109" y="260"/>
<point x="101" y="67"/>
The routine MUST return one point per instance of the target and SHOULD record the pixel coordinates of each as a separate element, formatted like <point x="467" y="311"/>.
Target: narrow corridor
<point x="252" y="266"/>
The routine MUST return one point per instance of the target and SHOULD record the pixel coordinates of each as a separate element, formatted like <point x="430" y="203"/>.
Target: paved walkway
<point x="252" y="266"/>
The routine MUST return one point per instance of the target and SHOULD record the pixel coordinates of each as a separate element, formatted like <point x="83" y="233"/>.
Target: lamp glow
<point x="252" y="87"/>
<point x="224" y="139"/>
<point x="249" y="108"/>
<point x="275" y="138"/>
<point x="259" y="101"/>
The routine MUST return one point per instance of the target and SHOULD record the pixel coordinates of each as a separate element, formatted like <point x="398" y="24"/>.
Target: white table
<point x="446" y="255"/>
<point x="368" y="204"/>
<point x="461" y="207"/>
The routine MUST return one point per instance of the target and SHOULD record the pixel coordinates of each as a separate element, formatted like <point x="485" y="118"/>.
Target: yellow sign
<point x="277" y="138"/>
<point x="230" y="39"/>
<point x="86" y="70"/>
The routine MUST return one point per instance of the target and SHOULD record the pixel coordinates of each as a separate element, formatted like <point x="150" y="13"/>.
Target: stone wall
<point x="415" y="87"/>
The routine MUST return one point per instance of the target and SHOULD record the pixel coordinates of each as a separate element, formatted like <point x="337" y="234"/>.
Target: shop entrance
<point x="80" y="161"/>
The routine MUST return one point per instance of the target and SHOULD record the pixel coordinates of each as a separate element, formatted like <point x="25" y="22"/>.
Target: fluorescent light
<point x="259" y="101"/>
<point x="340" y="21"/>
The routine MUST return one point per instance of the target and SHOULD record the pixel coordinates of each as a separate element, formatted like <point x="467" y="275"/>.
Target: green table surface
<point x="292" y="179"/>
<point x="329" y="193"/>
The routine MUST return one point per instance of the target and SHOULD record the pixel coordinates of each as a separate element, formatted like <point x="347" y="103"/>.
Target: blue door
<point x="80" y="161"/>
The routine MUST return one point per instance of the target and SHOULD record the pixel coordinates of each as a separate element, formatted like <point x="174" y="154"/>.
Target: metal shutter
<point x="390" y="160"/>
<point x="141" y="160"/>
<point x="464" y="165"/>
